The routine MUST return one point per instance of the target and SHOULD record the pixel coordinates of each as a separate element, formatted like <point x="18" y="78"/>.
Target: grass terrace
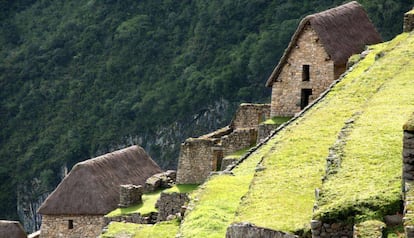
<point x="276" y="120"/>
<point x="161" y="230"/>
<point x="282" y="196"/>
<point x="147" y="206"/>
<point x="368" y="184"/>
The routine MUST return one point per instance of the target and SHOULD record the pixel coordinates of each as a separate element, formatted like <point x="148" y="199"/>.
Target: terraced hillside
<point x="357" y="126"/>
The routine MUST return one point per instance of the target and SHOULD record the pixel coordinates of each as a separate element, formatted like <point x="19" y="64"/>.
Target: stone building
<point x="12" y="229"/>
<point x="200" y="156"/>
<point x="77" y="206"/>
<point x="317" y="55"/>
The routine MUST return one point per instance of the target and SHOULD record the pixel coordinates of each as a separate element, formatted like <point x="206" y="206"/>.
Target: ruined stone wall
<point x="409" y="21"/>
<point x="286" y="92"/>
<point x="82" y="226"/>
<point x="195" y="161"/>
<point x="170" y="204"/>
<point x="408" y="177"/>
<point x="238" y="140"/>
<point x="264" y="131"/>
<point x="326" y="230"/>
<point x="250" y="115"/>
<point x="247" y="230"/>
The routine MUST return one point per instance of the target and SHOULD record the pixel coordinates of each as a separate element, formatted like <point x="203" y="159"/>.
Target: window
<point x="305" y="72"/>
<point x="304" y="98"/>
<point x="70" y="224"/>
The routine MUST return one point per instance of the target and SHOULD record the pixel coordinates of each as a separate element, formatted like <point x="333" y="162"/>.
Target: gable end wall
<point x="286" y="92"/>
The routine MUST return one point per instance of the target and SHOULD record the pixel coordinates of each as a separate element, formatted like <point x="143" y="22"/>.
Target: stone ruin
<point x="129" y="195"/>
<point x="408" y="21"/>
<point x="203" y="155"/>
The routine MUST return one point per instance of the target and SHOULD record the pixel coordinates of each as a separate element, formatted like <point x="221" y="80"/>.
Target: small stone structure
<point x="171" y="204"/>
<point x="408" y="21"/>
<point x="161" y="180"/>
<point x="202" y="155"/>
<point x="408" y="177"/>
<point x="326" y="230"/>
<point x="247" y="230"/>
<point x="137" y="218"/>
<point x="317" y="55"/>
<point x="72" y="226"/>
<point x="129" y="195"/>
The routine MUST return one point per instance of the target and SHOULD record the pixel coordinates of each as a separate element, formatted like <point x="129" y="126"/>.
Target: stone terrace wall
<point x="408" y="177"/>
<point x="195" y="161"/>
<point x="325" y="230"/>
<point x="409" y="21"/>
<point x="247" y="230"/>
<point x="238" y="140"/>
<point x="250" y="115"/>
<point x="286" y="92"/>
<point x="83" y="226"/>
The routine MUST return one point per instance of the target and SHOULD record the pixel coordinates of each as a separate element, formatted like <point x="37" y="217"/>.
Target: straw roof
<point x="92" y="187"/>
<point x="343" y="31"/>
<point x="11" y="229"/>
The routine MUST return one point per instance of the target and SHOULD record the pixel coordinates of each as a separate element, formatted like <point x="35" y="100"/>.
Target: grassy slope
<point x="378" y="94"/>
<point x="285" y="190"/>
<point x="371" y="166"/>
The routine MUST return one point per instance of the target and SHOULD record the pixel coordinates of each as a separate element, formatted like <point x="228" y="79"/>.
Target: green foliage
<point x="276" y="120"/>
<point x="369" y="229"/>
<point x="78" y="78"/>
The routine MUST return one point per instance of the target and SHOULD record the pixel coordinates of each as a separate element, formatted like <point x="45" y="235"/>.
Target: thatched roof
<point x="10" y="229"/>
<point x="343" y="31"/>
<point x="92" y="187"/>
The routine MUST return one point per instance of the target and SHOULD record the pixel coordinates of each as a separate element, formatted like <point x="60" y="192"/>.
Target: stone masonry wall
<point x="247" y="230"/>
<point x="195" y="161"/>
<point x="286" y="93"/>
<point x="250" y="115"/>
<point x="409" y="21"/>
<point x="170" y="204"/>
<point x="83" y="226"/>
<point x="238" y="140"/>
<point x="325" y="230"/>
<point x="408" y="177"/>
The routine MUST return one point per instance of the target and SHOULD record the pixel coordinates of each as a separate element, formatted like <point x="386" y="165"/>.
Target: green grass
<point x="370" y="229"/>
<point x="182" y="188"/>
<point x="161" y="230"/>
<point x="285" y="190"/>
<point x="238" y="154"/>
<point x="276" y="120"/>
<point x="216" y="201"/>
<point x="368" y="184"/>
<point x="147" y="206"/>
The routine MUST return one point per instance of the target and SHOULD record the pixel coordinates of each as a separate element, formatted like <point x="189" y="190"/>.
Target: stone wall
<point x="286" y="92"/>
<point x="408" y="21"/>
<point x="195" y="161"/>
<point x="71" y="226"/>
<point x="408" y="177"/>
<point x="250" y="115"/>
<point x="170" y="204"/>
<point x="264" y="131"/>
<point x="200" y="156"/>
<point x="137" y="218"/>
<point x="326" y="230"/>
<point x="247" y="230"/>
<point x="238" y="140"/>
<point x="130" y="194"/>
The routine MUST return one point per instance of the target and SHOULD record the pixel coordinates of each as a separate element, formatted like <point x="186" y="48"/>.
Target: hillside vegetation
<point x="359" y="122"/>
<point x="81" y="78"/>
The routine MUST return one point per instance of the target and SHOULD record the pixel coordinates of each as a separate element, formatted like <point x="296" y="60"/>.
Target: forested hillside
<point x="81" y="78"/>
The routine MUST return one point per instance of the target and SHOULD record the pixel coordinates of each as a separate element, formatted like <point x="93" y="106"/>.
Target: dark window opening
<point x="305" y="72"/>
<point x="70" y="224"/>
<point x="304" y="98"/>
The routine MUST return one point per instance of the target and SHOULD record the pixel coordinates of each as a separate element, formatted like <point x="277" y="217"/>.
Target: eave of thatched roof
<point x="11" y="229"/>
<point x="343" y="31"/>
<point x="92" y="187"/>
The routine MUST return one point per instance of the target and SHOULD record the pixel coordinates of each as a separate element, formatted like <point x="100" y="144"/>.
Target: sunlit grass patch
<point x="160" y="230"/>
<point x="147" y="206"/>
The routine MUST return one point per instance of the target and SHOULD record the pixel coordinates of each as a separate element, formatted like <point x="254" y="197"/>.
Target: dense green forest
<point x="79" y="78"/>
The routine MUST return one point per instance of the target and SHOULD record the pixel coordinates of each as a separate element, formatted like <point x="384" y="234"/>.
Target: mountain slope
<point x="366" y="109"/>
<point x="81" y="78"/>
